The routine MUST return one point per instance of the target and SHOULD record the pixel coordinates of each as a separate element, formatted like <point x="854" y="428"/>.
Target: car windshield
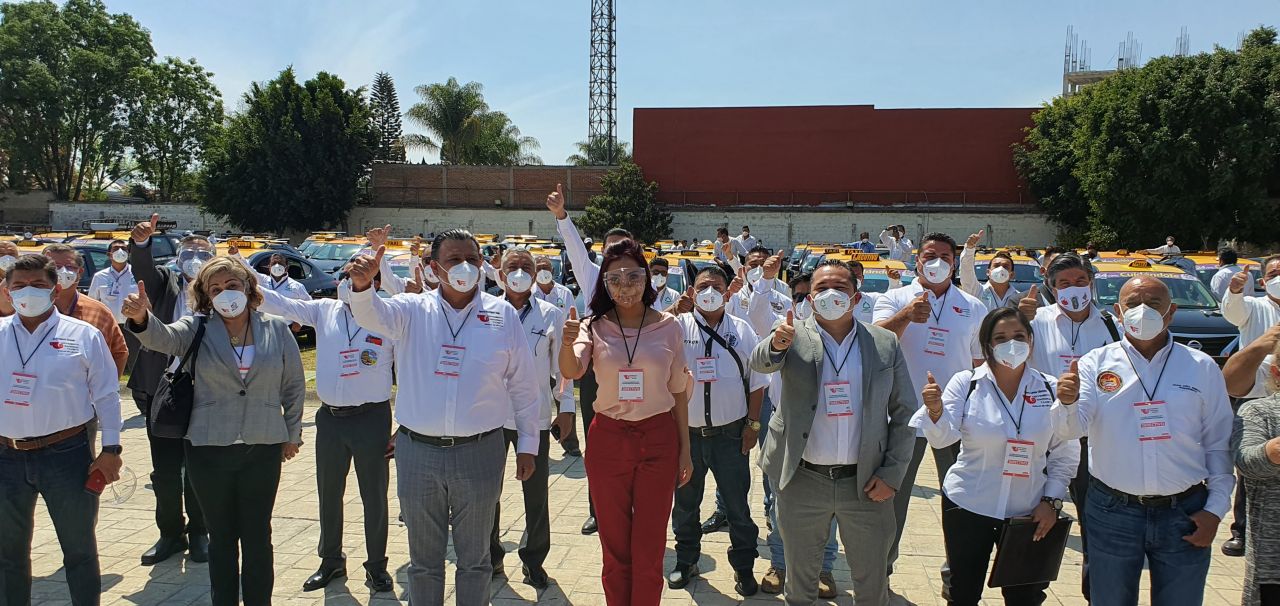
<point x="1021" y="273"/>
<point x="335" y="252"/>
<point x="797" y="254"/>
<point x="675" y="274"/>
<point x="307" y="247"/>
<point x="874" y="283"/>
<point x="811" y="262"/>
<point x="1187" y="292"/>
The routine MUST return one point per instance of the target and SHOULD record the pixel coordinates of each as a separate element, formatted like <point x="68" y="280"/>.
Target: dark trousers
<point x="131" y="342"/>
<point x="943" y="459"/>
<point x="58" y="474"/>
<point x="970" y="538"/>
<point x="1239" y="513"/>
<point x="1079" y="490"/>
<point x="362" y="437"/>
<point x="536" y="543"/>
<point x="237" y="487"/>
<point x="170" y="482"/>
<point x="720" y="454"/>
<point x="1269" y="594"/>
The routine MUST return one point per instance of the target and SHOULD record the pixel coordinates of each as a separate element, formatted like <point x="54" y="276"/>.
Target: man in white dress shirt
<point x="938" y="327"/>
<point x="542" y="324"/>
<point x="724" y="424"/>
<point x="1254" y="315"/>
<point x="659" y="269"/>
<point x="1159" y="425"/>
<point x="464" y="367"/>
<point x="559" y="295"/>
<point x="111" y="285"/>
<point x="1228" y="267"/>
<point x="744" y="242"/>
<point x="997" y="292"/>
<point x="58" y="375"/>
<point x="353" y="379"/>
<point x="895" y="238"/>
<point x="278" y="280"/>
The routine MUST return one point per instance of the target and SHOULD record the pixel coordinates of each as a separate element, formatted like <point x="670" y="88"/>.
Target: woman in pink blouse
<point x="639" y="446"/>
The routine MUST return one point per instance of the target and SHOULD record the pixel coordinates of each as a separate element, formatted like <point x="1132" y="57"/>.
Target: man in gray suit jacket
<point x="838" y="443"/>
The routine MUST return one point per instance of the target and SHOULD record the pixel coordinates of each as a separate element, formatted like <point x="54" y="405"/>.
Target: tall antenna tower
<point x="602" y="115"/>
<point x="1182" y="47"/>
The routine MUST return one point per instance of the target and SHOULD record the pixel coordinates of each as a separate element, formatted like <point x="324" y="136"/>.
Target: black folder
<point x="1022" y="561"/>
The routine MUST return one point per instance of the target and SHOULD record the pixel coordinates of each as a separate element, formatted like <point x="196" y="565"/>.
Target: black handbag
<point x="175" y="396"/>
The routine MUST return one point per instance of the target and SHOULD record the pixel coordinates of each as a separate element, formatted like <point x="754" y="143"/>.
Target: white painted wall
<point x="773" y="227"/>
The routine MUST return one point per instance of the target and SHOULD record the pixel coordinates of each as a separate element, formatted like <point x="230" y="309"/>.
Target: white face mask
<point x="1012" y="353"/>
<point x="230" y="303"/>
<point x="709" y="300"/>
<point x="754" y="274"/>
<point x="659" y="281"/>
<point x="430" y="275"/>
<point x="1273" y="287"/>
<point x="1143" y="323"/>
<point x="544" y="277"/>
<point x="1075" y="298"/>
<point x="191" y="268"/>
<point x="344" y="290"/>
<point x="31" y="301"/>
<point x="120" y="255"/>
<point x="803" y="310"/>
<point x="831" y="304"/>
<point x="1000" y="275"/>
<point x="464" y="276"/>
<point x="278" y="271"/>
<point x="7" y="262"/>
<point x="66" y="278"/>
<point x="519" y="281"/>
<point x="937" y="271"/>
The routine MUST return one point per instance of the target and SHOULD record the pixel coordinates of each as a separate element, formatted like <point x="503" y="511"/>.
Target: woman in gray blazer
<point x="247" y="419"/>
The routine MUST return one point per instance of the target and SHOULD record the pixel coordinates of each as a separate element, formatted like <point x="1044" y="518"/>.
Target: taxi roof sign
<point x="1140" y="264"/>
<point x="863" y="257"/>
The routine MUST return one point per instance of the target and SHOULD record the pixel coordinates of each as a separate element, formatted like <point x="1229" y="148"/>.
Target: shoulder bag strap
<point x="193" y="350"/>
<point x="719" y="340"/>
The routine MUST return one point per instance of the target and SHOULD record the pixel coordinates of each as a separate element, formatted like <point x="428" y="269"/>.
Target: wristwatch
<point x="115" y="450"/>
<point x="1055" y="503"/>
<point x="753" y="425"/>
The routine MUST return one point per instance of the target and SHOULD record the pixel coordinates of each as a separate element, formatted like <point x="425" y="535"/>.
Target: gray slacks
<point x="805" y="509"/>
<point x="449" y="488"/>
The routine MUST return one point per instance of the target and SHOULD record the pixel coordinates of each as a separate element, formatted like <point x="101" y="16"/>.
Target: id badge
<point x="706" y="370"/>
<point x="450" y="362"/>
<point x="936" y="343"/>
<point x="349" y="363"/>
<point x="1064" y="363"/>
<point x="1017" y="458"/>
<point x="1153" y="424"/>
<point x="631" y="385"/>
<point x="838" y="399"/>
<point x="21" y="386"/>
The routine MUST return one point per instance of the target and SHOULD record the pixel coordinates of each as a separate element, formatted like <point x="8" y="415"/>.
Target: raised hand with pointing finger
<point x="785" y="334"/>
<point x="364" y="268"/>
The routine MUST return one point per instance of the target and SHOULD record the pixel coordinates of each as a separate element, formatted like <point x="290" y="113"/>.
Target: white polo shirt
<point x="1059" y="341"/>
<point x="984" y="422"/>
<point x="717" y="390"/>
<point x="495" y="376"/>
<point x="1254" y="315"/>
<point x="353" y="365"/>
<point x="68" y="377"/>
<point x="834" y="439"/>
<point x="1181" y="443"/>
<point x="543" y="324"/>
<point x="947" y="344"/>
<point x="111" y="287"/>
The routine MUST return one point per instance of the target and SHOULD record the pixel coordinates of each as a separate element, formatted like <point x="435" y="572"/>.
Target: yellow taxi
<point x="1207" y="265"/>
<point x="680" y="261"/>
<point x="1026" y="270"/>
<point x="318" y="237"/>
<point x="875" y="269"/>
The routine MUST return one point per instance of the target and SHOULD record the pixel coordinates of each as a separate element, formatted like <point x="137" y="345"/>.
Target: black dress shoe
<point x="379" y="582"/>
<point x="573" y="452"/>
<point x="745" y="583"/>
<point x="682" y="575"/>
<point x="717" y="521"/>
<point x="165" y="548"/>
<point x="535" y="578"/>
<point x="1234" y="547"/>
<point x="322" y="578"/>
<point x="198" y="547"/>
<point x="590" y="527"/>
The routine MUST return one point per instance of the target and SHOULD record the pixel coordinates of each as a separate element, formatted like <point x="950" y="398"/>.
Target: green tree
<point x="293" y="157"/>
<point x="463" y="128"/>
<point x="595" y="152"/>
<point x="62" y="90"/>
<point x="384" y="105"/>
<point x="629" y="202"/>
<point x="173" y="115"/>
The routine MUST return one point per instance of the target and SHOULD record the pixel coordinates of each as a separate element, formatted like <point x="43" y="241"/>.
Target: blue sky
<point x="532" y="55"/>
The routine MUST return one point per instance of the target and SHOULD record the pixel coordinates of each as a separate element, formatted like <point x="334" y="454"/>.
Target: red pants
<point x="631" y="469"/>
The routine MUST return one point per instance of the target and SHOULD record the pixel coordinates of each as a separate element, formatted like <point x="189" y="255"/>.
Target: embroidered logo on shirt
<point x="369" y="357"/>
<point x="1110" y="382"/>
<point x="490" y="320"/>
<point x="732" y="340"/>
<point x="1038" y="399"/>
<point x="776" y="306"/>
<point x="1186" y="387"/>
<point x="963" y="312"/>
<point x="373" y="340"/>
<point x="66" y="346"/>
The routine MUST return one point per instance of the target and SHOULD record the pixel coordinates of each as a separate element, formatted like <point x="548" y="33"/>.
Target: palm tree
<point x="449" y="111"/>
<point x="595" y="152"/>
<point x="499" y="142"/>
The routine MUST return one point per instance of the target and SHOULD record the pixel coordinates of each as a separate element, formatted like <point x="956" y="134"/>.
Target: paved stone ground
<point x="125" y="531"/>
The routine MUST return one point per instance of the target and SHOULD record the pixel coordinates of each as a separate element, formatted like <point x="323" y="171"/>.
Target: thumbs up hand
<point x="920" y="308"/>
<point x="555" y="202"/>
<point x="1238" y="282"/>
<point x="136" y="306"/>
<point x="364" y="268"/>
<point x="932" y="395"/>
<point x="975" y="239"/>
<point x="785" y="334"/>
<point x="737" y="283"/>
<point x="684" y="304"/>
<point x="143" y="231"/>
<point x="772" y="265"/>
<point x="1069" y="385"/>
<point x="571" y="328"/>
<point x="1029" y="303"/>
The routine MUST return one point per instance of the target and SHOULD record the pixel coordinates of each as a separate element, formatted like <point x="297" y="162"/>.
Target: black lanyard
<point x="453" y="334"/>
<point x="1076" y="327"/>
<point x="525" y="313"/>
<point x="631" y="351"/>
<point x="853" y="343"/>
<point x="346" y="327"/>
<point x="27" y="359"/>
<point x="1151" y="395"/>
<point x="1017" y="425"/>
<point x="115" y="282"/>
<point x="937" y="316"/>
<point x="243" y="346"/>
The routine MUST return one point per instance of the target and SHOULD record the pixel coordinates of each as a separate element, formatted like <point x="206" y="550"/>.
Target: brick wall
<point x="523" y="187"/>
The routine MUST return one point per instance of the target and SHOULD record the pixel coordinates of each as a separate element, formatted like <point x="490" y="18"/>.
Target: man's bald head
<point x="1145" y="290"/>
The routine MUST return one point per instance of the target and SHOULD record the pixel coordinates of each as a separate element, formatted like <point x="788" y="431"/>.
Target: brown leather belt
<point x="25" y="444"/>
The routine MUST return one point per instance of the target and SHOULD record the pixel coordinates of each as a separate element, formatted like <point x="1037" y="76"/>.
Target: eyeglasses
<point x="624" y="277"/>
<point x="189" y="253"/>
